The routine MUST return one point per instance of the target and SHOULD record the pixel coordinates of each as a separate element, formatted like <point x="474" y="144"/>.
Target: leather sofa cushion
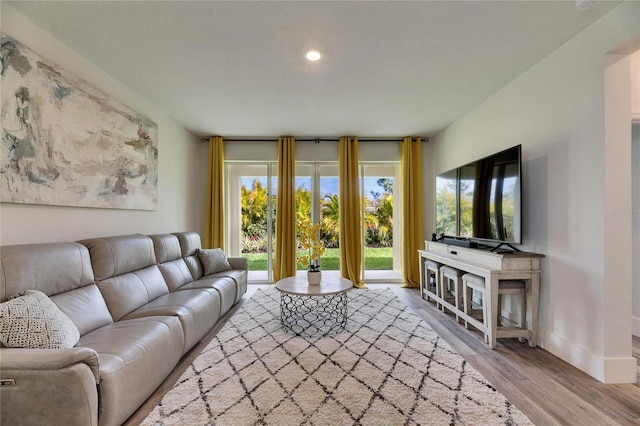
<point x="170" y="262"/>
<point x="239" y="276"/>
<point x="127" y="292"/>
<point x="224" y="286"/>
<point x="166" y="247"/>
<point x="189" y="242"/>
<point x="135" y="357"/>
<point x="51" y="268"/>
<point x="195" y="266"/>
<point x="175" y="273"/>
<point x="189" y="245"/>
<point x="112" y="256"/>
<point x="85" y="306"/>
<point x="197" y="310"/>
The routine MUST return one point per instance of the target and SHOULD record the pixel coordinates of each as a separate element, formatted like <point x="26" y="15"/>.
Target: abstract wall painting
<point x="66" y="143"/>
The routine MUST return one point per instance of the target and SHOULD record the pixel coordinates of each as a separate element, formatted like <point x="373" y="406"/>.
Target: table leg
<point x="423" y="278"/>
<point x="535" y="296"/>
<point x="492" y="323"/>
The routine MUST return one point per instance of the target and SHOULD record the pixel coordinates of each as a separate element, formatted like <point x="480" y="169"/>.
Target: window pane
<point x="304" y="202"/>
<point x="329" y="215"/>
<point x="317" y="200"/>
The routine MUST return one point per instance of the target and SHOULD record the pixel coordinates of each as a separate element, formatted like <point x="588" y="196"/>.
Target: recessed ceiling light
<point x="313" y="55"/>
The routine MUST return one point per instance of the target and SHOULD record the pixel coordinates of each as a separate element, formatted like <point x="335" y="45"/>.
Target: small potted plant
<point x="308" y="240"/>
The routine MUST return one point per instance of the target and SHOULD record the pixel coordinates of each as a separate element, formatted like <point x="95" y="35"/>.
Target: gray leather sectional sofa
<point x="139" y="302"/>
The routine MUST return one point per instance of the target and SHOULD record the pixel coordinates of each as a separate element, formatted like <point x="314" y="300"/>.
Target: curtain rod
<point x="316" y="140"/>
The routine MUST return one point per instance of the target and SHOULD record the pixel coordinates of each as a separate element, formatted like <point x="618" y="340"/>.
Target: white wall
<point x="635" y="86"/>
<point x="635" y="155"/>
<point x="180" y="163"/>
<point x="309" y="151"/>
<point x="556" y="111"/>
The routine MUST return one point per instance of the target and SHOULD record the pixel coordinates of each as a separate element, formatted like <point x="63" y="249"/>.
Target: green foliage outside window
<point x="378" y="224"/>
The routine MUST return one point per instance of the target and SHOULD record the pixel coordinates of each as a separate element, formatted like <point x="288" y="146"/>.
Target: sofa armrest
<point x="239" y="263"/>
<point x="49" y="386"/>
<point x="49" y="359"/>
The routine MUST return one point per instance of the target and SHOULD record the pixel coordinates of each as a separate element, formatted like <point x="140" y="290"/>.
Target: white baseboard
<point x="635" y="326"/>
<point x="620" y="370"/>
<point x="606" y="370"/>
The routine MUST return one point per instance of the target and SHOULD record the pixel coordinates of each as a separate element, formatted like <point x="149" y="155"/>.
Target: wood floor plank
<point x="566" y="394"/>
<point x="547" y="389"/>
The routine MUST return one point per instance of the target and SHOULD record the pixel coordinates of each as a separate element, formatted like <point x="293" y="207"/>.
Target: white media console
<point x="493" y="267"/>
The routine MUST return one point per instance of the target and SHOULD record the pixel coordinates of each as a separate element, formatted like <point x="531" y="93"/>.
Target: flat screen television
<point x="482" y="200"/>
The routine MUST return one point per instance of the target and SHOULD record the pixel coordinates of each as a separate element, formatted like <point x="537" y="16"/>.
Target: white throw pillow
<point x="31" y="320"/>
<point x="213" y="260"/>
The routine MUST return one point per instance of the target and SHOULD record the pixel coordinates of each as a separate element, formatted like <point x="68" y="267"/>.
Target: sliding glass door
<point x="317" y="200"/>
<point x="381" y="216"/>
<point x="251" y="199"/>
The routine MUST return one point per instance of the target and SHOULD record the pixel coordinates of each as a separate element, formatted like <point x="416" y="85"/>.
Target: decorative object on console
<point x="67" y="143"/>
<point x="213" y="261"/>
<point x="31" y="320"/>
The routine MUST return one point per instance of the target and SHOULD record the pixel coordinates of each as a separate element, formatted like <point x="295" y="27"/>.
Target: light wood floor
<point x="548" y="390"/>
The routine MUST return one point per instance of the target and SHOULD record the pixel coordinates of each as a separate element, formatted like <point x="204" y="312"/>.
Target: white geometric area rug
<point x="387" y="368"/>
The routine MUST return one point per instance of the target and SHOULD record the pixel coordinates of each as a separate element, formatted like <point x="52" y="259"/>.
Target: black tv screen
<point x="482" y="200"/>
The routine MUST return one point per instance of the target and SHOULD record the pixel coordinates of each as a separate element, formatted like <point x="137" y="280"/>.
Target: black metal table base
<point x="314" y="315"/>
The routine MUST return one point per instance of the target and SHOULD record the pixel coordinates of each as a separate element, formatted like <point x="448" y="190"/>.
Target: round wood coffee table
<point x="314" y="310"/>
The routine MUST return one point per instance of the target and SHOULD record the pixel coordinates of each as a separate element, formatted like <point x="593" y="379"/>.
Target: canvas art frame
<point x="66" y="143"/>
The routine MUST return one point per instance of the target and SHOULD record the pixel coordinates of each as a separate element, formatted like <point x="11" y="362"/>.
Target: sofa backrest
<point x="126" y="272"/>
<point x="173" y="267"/>
<point x="63" y="272"/>
<point x="189" y="245"/>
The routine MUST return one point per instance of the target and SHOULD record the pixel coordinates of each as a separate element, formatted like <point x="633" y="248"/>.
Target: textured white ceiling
<point x="237" y="69"/>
